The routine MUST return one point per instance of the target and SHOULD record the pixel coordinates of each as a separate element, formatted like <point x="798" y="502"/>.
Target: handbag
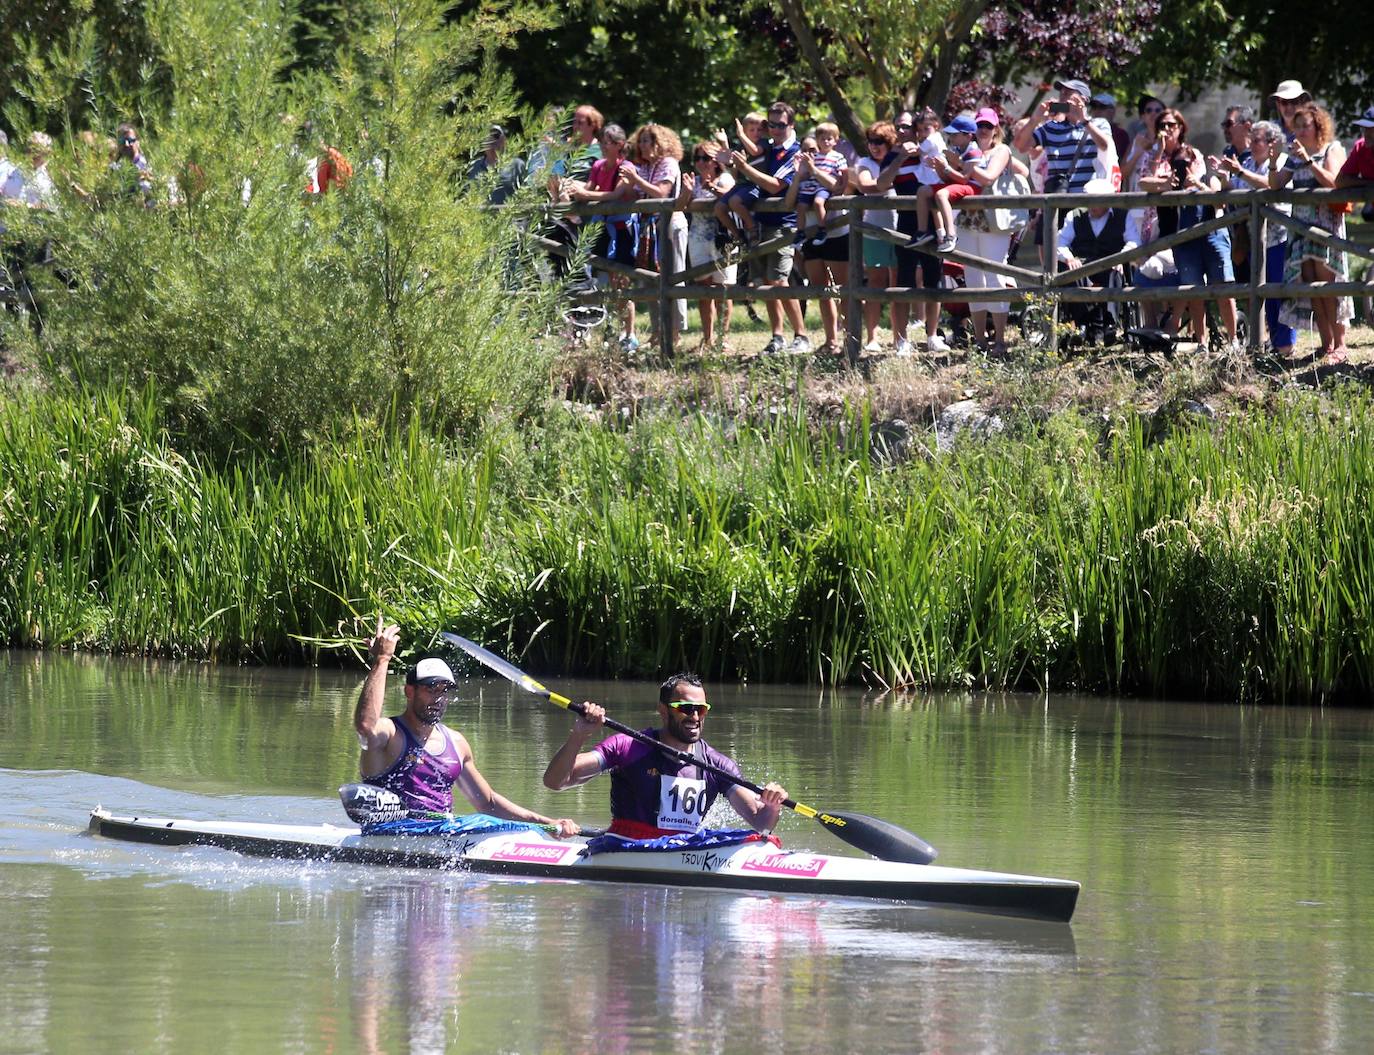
<point x="1008" y="182"/>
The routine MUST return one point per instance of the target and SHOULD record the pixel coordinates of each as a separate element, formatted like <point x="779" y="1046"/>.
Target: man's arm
<point x="760" y="812"/>
<point x="572" y="766"/>
<point x="1024" y="137"/>
<point x="477" y="791"/>
<point x="739" y="165"/>
<point x="374" y="731"/>
<point x="1064" y="244"/>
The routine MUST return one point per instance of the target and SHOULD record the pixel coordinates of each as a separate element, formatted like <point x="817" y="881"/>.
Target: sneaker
<point x="801" y="345"/>
<point x="873" y="347"/>
<point x="936" y="343"/>
<point x="774" y="346"/>
<point x="947" y="243"/>
<point x="920" y="240"/>
<point x="902" y="347"/>
<point x="629" y="345"/>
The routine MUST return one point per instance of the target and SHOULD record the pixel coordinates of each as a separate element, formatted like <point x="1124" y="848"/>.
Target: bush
<point x="264" y="316"/>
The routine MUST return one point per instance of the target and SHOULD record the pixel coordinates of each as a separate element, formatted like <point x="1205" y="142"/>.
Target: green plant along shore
<point x="1230" y="561"/>
<point x="250" y="420"/>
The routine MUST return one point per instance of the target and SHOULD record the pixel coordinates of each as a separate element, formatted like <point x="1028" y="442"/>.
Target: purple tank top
<point x="649" y="787"/>
<point x="422" y="780"/>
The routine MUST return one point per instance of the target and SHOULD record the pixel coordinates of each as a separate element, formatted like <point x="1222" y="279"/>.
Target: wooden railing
<point x="1250" y="209"/>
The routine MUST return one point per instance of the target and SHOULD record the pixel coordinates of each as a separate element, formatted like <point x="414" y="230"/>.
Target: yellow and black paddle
<point x="885" y="841"/>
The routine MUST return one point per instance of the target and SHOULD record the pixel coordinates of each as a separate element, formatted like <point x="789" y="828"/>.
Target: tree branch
<point x="845" y="116"/>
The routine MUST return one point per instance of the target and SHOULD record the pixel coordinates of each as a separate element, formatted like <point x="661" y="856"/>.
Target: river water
<point x="1224" y="852"/>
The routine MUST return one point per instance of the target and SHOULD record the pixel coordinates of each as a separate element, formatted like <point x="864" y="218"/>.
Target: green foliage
<point x="1235" y="562"/>
<point x="264" y="316"/>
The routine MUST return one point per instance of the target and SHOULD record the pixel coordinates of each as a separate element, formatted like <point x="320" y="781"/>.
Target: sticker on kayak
<point x="785" y="865"/>
<point x="541" y="852"/>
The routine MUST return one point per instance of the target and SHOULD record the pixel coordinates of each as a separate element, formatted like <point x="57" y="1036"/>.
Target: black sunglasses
<point x="1167" y="124"/>
<point x="777" y="124"/>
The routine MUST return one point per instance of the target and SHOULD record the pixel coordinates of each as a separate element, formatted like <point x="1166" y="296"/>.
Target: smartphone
<point x="1059" y="108"/>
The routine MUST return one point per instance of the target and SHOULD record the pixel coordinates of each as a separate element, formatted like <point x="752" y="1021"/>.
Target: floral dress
<point x="1300" y="248"/>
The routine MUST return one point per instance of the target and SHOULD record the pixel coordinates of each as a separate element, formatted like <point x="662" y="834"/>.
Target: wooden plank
<point x="1317" y="234"/>
<point x="1071" y="277"/>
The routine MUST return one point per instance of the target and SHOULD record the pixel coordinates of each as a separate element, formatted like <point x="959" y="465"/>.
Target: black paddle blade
<point x="884" y="841"/>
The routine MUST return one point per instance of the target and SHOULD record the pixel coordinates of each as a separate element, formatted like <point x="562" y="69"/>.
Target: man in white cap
<point x="1091" y="234"/>
<point x="1287" y="97"/>
<point x="416" y="756"/>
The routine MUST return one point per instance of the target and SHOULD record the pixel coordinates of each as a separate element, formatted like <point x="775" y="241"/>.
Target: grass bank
<point x="1233" y="558"/>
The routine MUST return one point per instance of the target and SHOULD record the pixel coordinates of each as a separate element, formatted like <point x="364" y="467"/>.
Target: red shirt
<point x="1360" y="163"/>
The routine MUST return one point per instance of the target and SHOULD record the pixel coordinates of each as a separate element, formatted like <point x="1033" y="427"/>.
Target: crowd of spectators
<point x="769" y="224"/>
<point x="1070" y="143"/>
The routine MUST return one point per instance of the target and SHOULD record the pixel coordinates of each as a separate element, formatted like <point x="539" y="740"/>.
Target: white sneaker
<point x="936" y="343"/>
<point x="873" y="347"/>
<point x="801" y="345"/>
<point x="902" y="347"/>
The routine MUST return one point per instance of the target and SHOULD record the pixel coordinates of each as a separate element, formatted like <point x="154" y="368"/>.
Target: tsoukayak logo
<point x="540" y="852"/>
<point x="786" y="865"/>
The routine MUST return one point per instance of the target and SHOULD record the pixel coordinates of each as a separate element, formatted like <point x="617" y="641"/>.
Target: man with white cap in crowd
<point x="416" y="756"/>
<point x="1287" y="97"/>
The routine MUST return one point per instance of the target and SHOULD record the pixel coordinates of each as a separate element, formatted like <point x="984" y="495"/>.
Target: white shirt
<point x="878" y="217"/>
<point x="11" y="180"/>
<point x="38" y="190"/>
<point x="1097" y="223"/>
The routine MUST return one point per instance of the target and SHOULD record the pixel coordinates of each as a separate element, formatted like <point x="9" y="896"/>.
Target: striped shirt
<point x="1061" y="141"/>
<point x="778" y="160"/>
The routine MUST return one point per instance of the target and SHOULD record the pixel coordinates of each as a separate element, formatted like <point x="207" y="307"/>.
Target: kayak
<point x="756" y="867"/>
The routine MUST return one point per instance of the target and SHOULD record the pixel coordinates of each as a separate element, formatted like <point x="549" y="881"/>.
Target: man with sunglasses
<point x="773" y="172"/>
<point x="414" y="755"/>
<point x="652" y="794"/>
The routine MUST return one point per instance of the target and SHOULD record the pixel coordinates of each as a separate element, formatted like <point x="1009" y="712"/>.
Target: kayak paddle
<point x="883" y="840"/>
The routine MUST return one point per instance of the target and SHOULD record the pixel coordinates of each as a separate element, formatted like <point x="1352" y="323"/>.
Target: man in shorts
<point x="772" y="172"/>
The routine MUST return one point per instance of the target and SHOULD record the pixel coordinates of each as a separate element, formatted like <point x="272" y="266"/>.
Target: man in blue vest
<point x="1092" y="234"/>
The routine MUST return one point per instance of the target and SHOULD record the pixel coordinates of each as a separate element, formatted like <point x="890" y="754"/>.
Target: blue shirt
<point x="780" y="162"/>
<point x="1061" y="142"/>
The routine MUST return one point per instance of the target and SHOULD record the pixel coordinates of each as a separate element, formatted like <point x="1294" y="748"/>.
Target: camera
<point x="1059" y="108"/>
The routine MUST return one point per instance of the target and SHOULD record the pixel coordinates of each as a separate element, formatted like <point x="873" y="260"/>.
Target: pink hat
<point x="986" y="116"/>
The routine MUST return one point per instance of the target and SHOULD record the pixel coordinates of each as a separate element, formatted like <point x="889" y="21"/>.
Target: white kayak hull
<point x="759" y="867"/>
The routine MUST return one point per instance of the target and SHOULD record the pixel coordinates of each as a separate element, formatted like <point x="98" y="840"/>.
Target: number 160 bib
<point x="681" y="803"/>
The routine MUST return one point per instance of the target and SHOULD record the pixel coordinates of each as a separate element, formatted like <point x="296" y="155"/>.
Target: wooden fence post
<point x="667" y="307"/>
<point x="1049" y="256"/>
<point x="1255" y="310"/>
<point x="853" y="306"/>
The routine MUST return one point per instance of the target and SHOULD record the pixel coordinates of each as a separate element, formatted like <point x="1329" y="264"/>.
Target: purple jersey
<point x="652" y="788"/>
<point x="423" y="780"/>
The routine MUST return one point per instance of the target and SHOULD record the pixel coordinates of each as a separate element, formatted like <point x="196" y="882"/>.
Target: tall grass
<point x="1228" y="561"/>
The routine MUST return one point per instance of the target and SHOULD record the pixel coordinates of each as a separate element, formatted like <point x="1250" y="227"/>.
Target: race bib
<point x="681" y="803"/>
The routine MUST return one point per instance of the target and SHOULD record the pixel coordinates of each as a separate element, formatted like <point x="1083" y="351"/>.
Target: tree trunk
<point x="850" y="125"/>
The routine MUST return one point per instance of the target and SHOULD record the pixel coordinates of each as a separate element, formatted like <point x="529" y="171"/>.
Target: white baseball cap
<point x="429" y="668"/>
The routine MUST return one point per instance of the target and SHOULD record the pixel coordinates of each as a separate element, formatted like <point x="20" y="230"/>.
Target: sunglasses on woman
<point x="1168" y="124"/>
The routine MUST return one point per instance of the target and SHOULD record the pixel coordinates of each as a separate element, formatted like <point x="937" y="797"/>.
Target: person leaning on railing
<point x="1358" y="170"/>
<point x="1314" y="162"/>
<point x="983" y="236"/>
<point x="1252" y="171"/>
<point x="880" y="257"/>
<point x="708" y="182"/>
<point x="1207" y="258"/>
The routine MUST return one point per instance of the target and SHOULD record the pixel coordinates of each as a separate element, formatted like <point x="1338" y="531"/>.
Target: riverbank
<point x="1227" y="556"/>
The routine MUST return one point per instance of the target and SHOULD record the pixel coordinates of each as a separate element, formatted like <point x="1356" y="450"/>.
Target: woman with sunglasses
<point x="880" y="257"/>
<point x="1315" y="161"/>
<point x="1202" y="260"/>
<point x="651" y="794"/>
<point x="1146" y="140"/>
<point x="656" y="152"/>
<point x="128" y="158"/>
<point x="708" y="182"/>
<point x="981" y="240"/>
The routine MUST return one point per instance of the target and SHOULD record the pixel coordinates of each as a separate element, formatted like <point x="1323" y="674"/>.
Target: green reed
<point x="1231" y="560"/>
